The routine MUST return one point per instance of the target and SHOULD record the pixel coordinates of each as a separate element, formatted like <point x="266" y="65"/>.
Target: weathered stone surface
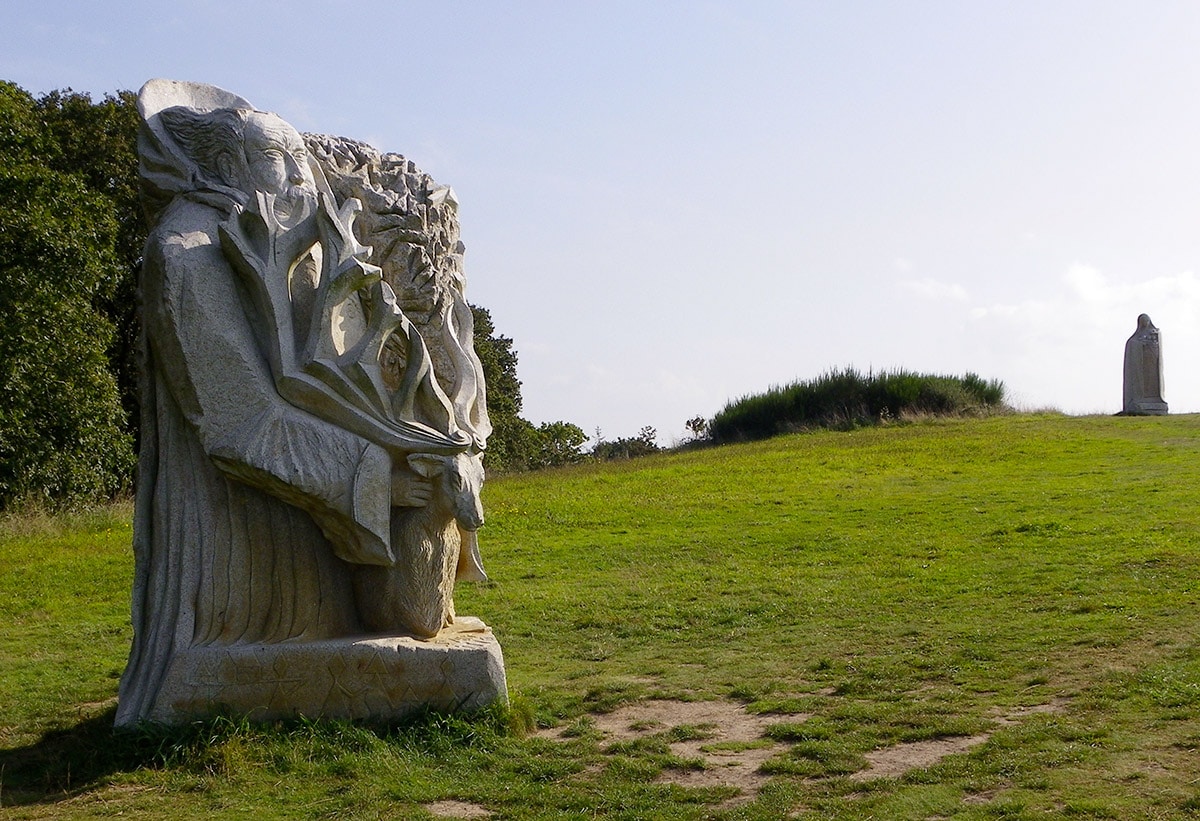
<point x="411" y="222"/>
<point x="1144" y="371"/>
<point x="352" y="678"/>
<point x="288" y="400"/>
<point x="417" y="592"/>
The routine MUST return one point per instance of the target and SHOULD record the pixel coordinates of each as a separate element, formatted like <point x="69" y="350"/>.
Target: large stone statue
<point x="308" y="484"/>
<point x="1144" y="371"/>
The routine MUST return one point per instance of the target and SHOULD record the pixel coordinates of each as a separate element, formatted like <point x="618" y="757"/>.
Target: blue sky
<point x="669" y="205"/>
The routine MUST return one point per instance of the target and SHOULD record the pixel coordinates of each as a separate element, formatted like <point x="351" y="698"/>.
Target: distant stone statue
<point x="1144" y="371"/>
<point x="295" y="432"/>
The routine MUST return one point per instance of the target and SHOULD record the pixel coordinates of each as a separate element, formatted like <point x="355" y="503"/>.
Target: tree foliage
<point x="627" y="447"/>
<point x="515" y="443"/>
<point x="559" y="443"/>
<point x="98" y="142"/>
<point x="63" y="435"/>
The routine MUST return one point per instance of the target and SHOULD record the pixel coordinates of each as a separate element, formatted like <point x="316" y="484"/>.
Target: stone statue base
<point x="380" y="678"/>
<point x="1145" y="408"/>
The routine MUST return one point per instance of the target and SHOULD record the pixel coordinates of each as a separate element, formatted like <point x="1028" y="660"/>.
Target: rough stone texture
<point x="287" y="399"/>
<point x="352" y="678"/>
<point x="416" y="593"/>
<point x="1144" y="371"/>
<point x="411" y="222"/>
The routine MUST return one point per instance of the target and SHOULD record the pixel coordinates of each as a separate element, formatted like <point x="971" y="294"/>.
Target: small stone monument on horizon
<point x="1144" y="372"/>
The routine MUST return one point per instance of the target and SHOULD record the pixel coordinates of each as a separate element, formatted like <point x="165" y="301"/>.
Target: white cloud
<point x="1088" y="283"/>
<point x="1171" y="293"/>
<point x="933" y="289"/>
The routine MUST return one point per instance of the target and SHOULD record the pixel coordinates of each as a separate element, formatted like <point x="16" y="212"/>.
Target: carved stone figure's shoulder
<point x="184" y="228"/>
<point x="188" y="239"/>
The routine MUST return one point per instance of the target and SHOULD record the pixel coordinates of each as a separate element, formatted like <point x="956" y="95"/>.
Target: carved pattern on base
<point x="365" y="677"/>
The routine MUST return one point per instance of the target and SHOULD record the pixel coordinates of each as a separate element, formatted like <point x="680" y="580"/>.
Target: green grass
<point x="898" y="583"/>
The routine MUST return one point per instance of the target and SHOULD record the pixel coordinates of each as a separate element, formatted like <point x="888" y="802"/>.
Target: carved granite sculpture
<point x="309" y="477"/>
<point x="413" y="224"/>
<point x="1144" y="371"/>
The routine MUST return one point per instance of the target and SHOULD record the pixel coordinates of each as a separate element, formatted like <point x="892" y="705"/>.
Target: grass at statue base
<point x="896" y="584"/>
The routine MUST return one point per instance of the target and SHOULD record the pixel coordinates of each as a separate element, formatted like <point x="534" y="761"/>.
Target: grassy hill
<point x="1029" y="580"/>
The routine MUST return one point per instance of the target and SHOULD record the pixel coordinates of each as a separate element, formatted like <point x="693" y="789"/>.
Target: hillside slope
<point x="863" y="589"/>
<point x="932" y="570"/>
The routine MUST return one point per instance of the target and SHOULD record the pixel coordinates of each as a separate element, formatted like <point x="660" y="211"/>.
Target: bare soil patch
<point x="457" y="809"/>
<point x="892" y="762"/>
<point x="733" y="749"/>
<point x="735" y="745"/>
<point x="981" y="797"/>
<point x="895" y="761"/>
<point x="1014" y="715"/>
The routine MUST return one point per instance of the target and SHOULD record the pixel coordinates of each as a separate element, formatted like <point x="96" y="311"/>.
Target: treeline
<point x="70" y="243"/>
<point x="71" y="239"/>
<point x="847" y="399"/>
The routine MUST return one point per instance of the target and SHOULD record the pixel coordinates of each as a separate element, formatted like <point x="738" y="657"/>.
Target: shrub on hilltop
<point x="847" y="398"/>
<point x="627" y="447"/>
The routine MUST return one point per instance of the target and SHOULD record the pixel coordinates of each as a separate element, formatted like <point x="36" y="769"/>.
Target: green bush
<point x="847" y="398"/>
<point x="62" y="428"/>
<point x="96" y="141"/>
<point x="627" y="447"/>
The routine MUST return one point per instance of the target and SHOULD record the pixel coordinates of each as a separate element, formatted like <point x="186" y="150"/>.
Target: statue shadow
<point x="68" y="761"/>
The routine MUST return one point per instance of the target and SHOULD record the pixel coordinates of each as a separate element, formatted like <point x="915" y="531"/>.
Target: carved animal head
<point x="457" y="481"/>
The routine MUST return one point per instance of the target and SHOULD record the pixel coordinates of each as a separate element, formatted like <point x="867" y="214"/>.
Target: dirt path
<point x="735" y="745"/>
